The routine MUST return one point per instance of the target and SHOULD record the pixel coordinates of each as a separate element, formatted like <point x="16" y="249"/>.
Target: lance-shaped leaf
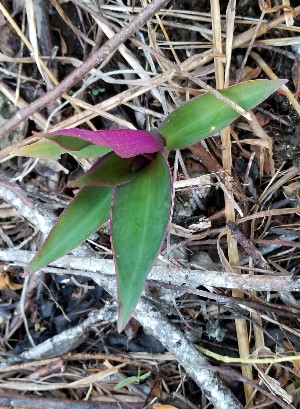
<point x="206" y="115"/>
<point x="46" y="149"/>
<point x="85" y="214"/>
<point x="125" y="142"/>
<point x="110" y="170"/>
<point x="140" y="215"/>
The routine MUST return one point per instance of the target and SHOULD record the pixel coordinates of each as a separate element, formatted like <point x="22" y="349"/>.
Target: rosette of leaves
<point x="131" y="184"/>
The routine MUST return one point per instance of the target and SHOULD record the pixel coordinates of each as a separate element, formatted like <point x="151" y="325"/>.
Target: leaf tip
<point x="122" y="321"/>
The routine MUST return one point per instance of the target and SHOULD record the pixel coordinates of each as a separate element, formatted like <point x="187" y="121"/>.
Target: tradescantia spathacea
<point x="131" y="184"/>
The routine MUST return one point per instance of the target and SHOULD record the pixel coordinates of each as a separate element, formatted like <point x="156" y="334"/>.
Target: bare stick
<point x="196" y="365"/>
<point x="109" y="47"/>
<point x="95" y="267"/>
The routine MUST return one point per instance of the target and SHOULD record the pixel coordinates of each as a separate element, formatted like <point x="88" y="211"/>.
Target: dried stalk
<point x="233" y="255"/>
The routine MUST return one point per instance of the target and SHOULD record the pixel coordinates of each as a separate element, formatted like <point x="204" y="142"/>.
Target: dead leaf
<point x="249" y="73"/>
<point x="262" y="158"/>
<point x="296" y="367"/>
<point x="263" y="119"/>
<point x="5" y="283"/>
<point x="296" y="75"/>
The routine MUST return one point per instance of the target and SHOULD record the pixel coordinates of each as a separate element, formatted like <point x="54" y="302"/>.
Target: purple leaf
<point x="125" y="142"/>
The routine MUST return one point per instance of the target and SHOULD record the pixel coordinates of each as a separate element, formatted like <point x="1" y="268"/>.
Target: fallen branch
<point x="94" y="267"/>
<point x="195" y="364"/>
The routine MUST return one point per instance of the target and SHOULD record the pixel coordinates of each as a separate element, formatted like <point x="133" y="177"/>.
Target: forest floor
<point x="218" y="324"/>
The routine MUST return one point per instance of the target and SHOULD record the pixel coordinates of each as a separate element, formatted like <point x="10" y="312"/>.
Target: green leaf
<point x="91" y="151"/>
<point x="125" y="382"/>
<point x="84" y="215"/>
<point x="206" y="115"/>
<point x="109" y="170"/>
<point x="67" y="142"/>
<point x="145" y="376"/>
<point x="132" y="379"/>
<point x="42" y="149"/>
<point x="97" y="91"/>
<point x="140" y="216"/>
<point x="46" y="149"/>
